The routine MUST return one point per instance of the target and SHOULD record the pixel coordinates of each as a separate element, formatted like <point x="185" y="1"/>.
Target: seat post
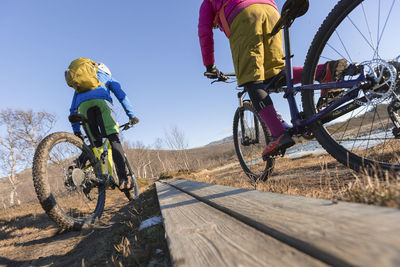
<point x="288" y="57"/>
<point x="289" y="92"/>
<point x="85" y="128"/>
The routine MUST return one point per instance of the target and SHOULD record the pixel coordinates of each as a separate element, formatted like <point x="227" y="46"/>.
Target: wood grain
<point x="338" y="234"/>
<point x="199" y="235"/>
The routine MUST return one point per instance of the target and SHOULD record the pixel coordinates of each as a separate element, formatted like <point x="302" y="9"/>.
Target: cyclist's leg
<point x="257" y="57"/>
<point x="263" y="105"/>
<point x="102" y="124"/>
<point x="119" y="160"/>
<point x="248" y="44"/>
<point x="92" y="110"/>
<point x="93" y="114"/>
<point x="325" y="72"/>
<point x="109" y="128"/>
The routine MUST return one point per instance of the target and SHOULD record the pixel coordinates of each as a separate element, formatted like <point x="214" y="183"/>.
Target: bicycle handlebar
<point x="219" y="77"/>
<point x="126" y="126"/>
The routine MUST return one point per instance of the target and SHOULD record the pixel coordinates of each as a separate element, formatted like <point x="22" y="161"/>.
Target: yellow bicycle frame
<point x="107" y="165"/>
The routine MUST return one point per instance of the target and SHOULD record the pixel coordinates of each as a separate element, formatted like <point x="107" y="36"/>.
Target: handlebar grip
<point x="211" y="75"/>
<point x="125" y="126"/>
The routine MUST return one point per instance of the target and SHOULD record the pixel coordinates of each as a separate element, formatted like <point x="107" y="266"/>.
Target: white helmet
<point x="104" y="68"/>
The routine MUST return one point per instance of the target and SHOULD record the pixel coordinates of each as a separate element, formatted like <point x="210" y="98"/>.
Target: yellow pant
<point x="256" y="55"/>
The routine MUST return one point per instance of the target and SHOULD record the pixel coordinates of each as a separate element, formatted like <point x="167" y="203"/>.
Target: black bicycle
<point x="71" y="177"/>
<point x="355" y="119"/>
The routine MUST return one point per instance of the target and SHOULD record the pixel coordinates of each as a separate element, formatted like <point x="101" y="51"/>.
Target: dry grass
<point x="313" y="176"/>
<point x="147" y="247"/>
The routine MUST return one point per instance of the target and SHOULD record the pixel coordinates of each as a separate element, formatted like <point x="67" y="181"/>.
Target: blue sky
<point x="151" y="47"/>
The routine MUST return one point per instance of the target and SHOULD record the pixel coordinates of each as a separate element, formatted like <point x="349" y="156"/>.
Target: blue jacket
<point x="102" y="92"/>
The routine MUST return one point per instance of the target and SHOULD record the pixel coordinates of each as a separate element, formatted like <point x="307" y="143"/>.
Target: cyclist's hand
<point x="212" y="72"/>
<point x="133" y="121"/>
<point x="79" y="134"/>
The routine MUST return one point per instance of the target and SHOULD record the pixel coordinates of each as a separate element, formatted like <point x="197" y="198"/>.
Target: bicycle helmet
<point x="104" y="68"/>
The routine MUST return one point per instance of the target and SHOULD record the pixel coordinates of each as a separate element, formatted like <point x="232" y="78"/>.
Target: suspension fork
<point x="241" y="113"/>
<point x="242" y="123"/>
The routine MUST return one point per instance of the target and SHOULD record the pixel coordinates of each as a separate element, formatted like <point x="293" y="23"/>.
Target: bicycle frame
<point x="324" y="115"/>
<point x="104" y="154"/>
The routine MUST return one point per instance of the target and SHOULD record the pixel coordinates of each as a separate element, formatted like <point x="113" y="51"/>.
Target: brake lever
<point x="126" y="126"/>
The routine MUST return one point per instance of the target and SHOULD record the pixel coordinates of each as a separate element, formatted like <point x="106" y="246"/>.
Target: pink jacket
<point x="208" y="10"/>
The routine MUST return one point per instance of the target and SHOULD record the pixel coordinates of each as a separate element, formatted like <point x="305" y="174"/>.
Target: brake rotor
<point x="384" y="76"/>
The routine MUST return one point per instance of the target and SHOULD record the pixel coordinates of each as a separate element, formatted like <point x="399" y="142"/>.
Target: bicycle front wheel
<point x="250" y="137"/>
<point x="64" y="185"/>
<point x="365" y="32"/>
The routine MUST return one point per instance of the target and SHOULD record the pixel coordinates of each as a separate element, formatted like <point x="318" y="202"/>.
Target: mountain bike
<point x="359" y="125"/>
<point x="71" y="176"/>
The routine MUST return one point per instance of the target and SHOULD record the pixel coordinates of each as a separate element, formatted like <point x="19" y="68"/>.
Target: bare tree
<point x="140" y="154"/>
<point x="158" y="144"/>
<point x="176" y="140"/>
<point x="23" y="132"/>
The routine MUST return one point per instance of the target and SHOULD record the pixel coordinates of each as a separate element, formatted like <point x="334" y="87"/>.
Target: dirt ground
<point x="29" y="238"/>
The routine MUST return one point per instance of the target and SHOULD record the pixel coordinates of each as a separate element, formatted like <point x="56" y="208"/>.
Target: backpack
<point x="220" y="15"/>
<point x="82" y="75"/>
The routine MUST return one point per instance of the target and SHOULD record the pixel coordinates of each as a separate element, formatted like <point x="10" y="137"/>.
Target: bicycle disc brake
<point x="384" y="76"/>
<point x="78" y="176"/>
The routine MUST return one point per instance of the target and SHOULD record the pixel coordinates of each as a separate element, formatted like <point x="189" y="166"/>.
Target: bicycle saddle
<point x="291" y="10"/>
<point x="74" y="118"/>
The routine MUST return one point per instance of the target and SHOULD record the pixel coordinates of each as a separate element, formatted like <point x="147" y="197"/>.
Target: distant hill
<point x="225" y="140"/>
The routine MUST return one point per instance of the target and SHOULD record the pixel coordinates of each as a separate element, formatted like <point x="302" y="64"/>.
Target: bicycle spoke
<point x="250" y="140"/>
<point x="344" y="47"/>
<point x="339" y="54"/>
<point x="363" y="36"/>
<point x="384" y="27"/>
<point x="367" y="23"/>
<point x="70" y="196"/>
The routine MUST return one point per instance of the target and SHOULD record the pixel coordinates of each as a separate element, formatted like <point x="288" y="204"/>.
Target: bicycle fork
<point x="246" y="139"/>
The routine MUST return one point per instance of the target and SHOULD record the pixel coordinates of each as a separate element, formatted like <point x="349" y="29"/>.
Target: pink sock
<point x="270" y="117"/>
<point x="298" y="72"/>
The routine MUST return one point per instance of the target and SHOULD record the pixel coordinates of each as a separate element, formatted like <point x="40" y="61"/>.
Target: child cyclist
<point x="92" y="104"/>
<point x="257" y="56"/>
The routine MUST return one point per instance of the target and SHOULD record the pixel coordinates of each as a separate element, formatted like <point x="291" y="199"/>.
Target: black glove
<point x="212" y="72"/>
<point x="133" y="121"/>
<point x="79" y="134"/>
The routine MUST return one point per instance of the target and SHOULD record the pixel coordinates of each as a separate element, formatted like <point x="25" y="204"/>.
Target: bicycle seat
<point x="74" y="118"/>
<point x="291" y="10"/>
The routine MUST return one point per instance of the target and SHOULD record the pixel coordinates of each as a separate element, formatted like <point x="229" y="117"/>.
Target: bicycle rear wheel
<point x="250" y="137"/>
<point x="67" y="193"/>
<point x="364" y="32"/>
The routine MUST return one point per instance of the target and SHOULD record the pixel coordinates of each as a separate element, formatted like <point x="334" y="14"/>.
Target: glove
<point x="133" y="121"/>
<point x="79" y="134"/>
<point x="212" y="72"/>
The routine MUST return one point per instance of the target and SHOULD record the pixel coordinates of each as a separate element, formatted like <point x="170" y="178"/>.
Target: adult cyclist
<point x="257" y="56"/>
<point x="93" y="105"/>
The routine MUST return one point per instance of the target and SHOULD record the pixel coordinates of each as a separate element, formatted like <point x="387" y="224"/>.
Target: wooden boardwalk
<point x="213" y="225"/>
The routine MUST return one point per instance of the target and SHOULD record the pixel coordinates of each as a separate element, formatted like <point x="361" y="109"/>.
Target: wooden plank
<point x="199" y="235"/>
<point x="337" y="234"/>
